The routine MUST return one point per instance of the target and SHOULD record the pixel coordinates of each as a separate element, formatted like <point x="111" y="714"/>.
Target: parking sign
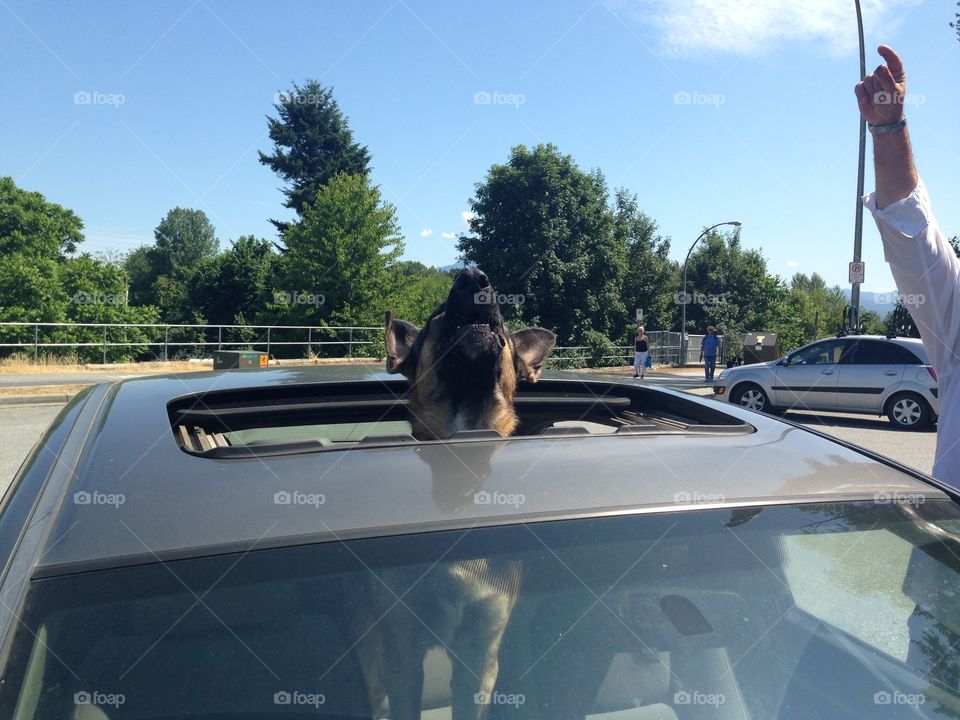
<point x="857" y="272"/>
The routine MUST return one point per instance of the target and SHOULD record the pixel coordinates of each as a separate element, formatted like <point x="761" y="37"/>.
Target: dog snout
<point x="472" y="280"/>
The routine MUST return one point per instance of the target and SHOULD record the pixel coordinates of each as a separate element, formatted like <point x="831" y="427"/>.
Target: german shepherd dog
<point x="463" y="368"/>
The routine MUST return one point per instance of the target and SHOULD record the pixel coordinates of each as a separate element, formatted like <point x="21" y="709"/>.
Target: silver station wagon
<point x="275" y="545"/>
<point x="857" y="373"/>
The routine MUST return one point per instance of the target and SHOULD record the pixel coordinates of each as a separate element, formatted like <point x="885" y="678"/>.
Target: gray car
<point x="239" y="545"/>
<point x="857" y="373"/>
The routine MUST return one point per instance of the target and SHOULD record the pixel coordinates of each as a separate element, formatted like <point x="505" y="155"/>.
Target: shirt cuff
<point x="909" y="216"/>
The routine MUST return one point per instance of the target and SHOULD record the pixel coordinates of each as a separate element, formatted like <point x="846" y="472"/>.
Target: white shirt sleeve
<point x="926" y="270"/>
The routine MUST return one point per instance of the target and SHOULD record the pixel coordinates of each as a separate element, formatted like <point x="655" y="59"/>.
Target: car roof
<point x="181" y="504"/>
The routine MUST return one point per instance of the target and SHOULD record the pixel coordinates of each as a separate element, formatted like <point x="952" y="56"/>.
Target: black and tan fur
<point x="464" y="365"/>
<point x="463" y="368"/>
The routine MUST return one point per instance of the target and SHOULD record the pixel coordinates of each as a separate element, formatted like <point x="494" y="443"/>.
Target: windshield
<point x="817" y="611"/>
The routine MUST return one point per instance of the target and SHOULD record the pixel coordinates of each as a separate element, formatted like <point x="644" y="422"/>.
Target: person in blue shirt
<point x="708" y="348"/>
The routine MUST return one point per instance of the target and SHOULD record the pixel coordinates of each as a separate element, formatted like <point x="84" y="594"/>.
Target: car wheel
<point x="751" y="396"/>
<point x="908" y="411"/>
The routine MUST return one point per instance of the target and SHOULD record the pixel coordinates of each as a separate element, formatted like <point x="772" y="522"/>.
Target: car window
<point x="822" y="353"/>
<point x="742" y="613"/>
<point x="877" y="352"/>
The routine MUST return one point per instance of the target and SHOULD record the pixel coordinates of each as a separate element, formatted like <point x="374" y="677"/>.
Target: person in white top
<point x="924" y="265"/>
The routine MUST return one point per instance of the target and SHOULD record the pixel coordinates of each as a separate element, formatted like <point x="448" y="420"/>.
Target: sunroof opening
<point x="337" y="415"/>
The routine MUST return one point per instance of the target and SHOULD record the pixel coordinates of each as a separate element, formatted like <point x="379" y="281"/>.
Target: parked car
<point x="210" y="546"/>
<point x="866" y="374"/>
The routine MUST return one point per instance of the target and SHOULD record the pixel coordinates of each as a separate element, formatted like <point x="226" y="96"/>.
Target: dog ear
<point x="531" y="346"/>
<point x="400" y="337"/>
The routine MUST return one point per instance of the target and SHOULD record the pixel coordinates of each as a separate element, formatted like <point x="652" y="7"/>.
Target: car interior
<point x="817" y="611"/>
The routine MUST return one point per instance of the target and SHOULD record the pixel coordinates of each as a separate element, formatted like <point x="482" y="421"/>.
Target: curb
<point x="46" y="399"/>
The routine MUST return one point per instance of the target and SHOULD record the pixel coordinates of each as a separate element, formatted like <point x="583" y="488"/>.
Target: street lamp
<point x="685" y="298"/>
<point x="858" y="225"/>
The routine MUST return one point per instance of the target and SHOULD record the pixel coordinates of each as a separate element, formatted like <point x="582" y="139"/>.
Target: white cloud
<point x="426" y="232"/>
<point x="448" y="235"/>
<point x="750" y="27"/>
<point x="792" y="264"/>
<point x="467" y="216"/>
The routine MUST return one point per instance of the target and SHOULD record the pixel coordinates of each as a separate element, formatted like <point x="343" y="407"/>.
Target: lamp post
<point x="685" y="298"/>
<point x="858" y="225"/>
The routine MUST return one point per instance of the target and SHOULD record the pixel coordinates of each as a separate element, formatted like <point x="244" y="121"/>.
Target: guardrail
<point x="167" y="338"/>
<point x="158" y="336"/>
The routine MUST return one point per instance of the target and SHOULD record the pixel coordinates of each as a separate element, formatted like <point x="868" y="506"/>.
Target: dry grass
<point x="41" y="390"/>
<point x="25" y="366"/>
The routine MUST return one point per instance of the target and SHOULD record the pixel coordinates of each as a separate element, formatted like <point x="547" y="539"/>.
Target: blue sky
<point x="709" y="111"/>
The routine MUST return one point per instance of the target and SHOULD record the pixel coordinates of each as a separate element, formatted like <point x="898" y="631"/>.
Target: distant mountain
<point x="880" y="303"/>
<point x="459" y="265"/>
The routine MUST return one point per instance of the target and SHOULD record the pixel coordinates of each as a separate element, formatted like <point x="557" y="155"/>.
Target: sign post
<point x="857" y="272"/>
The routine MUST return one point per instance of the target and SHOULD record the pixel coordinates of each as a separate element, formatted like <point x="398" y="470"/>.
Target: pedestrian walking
<point x="708" y="351"/>
<point x="641" y="352"/>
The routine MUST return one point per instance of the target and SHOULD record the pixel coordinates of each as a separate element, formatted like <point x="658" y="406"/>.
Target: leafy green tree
<point x="729" y="287"/>
<point x="238" y="281"/>
<point x="183" y="238"/>
<point x="340" y="264"/>
<point x="814" y="310"/>
<point x="542" y="230"/>
<point x="419" y="290"/>
<point x="142" y="268"/>
<point x="651" y="277"/>
<point x="312" y="144"/>
<point x="31" y="225"/>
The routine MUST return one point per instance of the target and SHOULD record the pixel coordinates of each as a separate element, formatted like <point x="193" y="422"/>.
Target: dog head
<point x="463" y="366"/>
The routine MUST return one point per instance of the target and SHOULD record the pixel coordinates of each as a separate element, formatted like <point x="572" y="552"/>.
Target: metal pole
<point x="858" y="225"/>
<point x="350" y="346"/>
<point x="683" y="327"/>
<point x="166" y="340"/>
<point x="268" y="341"/>
<point x="104" y="344"/>
<point x="219" y="337"/>
<point x="36" y="344"/>
<point x="309" y="341"/>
